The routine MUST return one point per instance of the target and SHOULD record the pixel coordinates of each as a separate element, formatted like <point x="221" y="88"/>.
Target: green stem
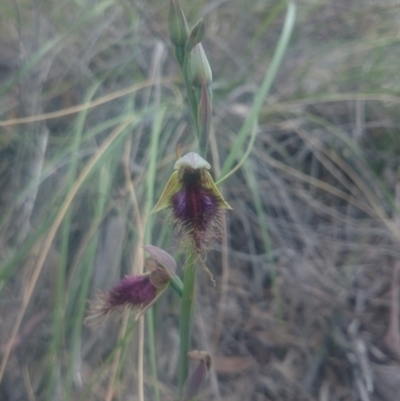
<point x="152" y="350"/>
<point x="186" y="318"/>
<point x="177" y="285"/>
<point x="190" y="94"/>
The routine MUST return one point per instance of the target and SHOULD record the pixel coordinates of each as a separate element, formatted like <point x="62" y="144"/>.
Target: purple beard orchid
<point x="196" y="203"/>
<point x="137" y="292"/>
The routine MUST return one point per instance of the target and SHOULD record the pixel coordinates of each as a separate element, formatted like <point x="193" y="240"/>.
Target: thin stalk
<point x="177" y="285"/>
<point x="141" y="360"/>
<point x="190" y="94"/>
<point x="151" y="340"/>
<point x="187" y="307"/>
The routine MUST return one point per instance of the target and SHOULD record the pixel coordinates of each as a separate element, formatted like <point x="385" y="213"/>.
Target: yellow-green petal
<point x="209" y="183"/>
<point x="172" y="187"/>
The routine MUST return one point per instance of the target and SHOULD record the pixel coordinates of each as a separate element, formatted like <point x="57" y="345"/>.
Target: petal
<point x="173" y="186"/>
<point x="162" y="257"/>
<point x="208" y="182"/>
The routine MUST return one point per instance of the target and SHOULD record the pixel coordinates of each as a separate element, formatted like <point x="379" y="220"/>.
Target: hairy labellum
<point x="195" y="207"/>
<point x="135" y="291"/>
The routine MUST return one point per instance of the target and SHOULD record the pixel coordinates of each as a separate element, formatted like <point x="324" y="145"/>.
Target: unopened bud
<point x="199" y="374"/>
<point x="200" y="69"/>
<point x="178" y="28"/>
<point x="196" y="36"/>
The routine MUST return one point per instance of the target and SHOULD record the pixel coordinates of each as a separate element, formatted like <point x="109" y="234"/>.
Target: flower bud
<point x="199" y="374"/>
<point x="199" y="67"/>
<point x="196" y="36"/>
<point x="178" y="28"/>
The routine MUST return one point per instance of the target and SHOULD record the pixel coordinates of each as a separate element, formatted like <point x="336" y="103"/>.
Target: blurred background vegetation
<point x="92" y="109"/>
